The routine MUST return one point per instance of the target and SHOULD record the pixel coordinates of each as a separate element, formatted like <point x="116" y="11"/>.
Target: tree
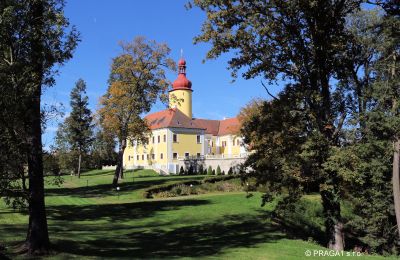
<point x="136" y="80"/>
<point x="79" y="123"/>
<point x="103" y="150"/>
<point x="209" y="170"/>
<point x="63" y="150"/>
<point x="181" y="171"/>
<point x="371" y="147"/>
<point x="302" y="42"/>
<point x="218" y="170"/>
<point x="34" y="37"/>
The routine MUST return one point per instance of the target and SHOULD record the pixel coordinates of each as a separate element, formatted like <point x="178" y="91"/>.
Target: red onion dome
<point x="182" y="82"/>
<point x="181" y="62"/>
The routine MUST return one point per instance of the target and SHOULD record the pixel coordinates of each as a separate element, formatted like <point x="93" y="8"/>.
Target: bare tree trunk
<point x="37" y="240"/>
<point x="396" y="182"/>
<point x="333" y="222"/>
<point x="120" y="160"/>
<point x="79" y="164"/>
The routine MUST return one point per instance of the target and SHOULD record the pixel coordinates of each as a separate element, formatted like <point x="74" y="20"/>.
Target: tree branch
<point x="269" y="93"/>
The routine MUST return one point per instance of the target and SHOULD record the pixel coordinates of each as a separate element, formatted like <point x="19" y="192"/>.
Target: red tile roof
<point x="173" y="117"/>
<point x="170" y="117"/>
<point x="211" y="126"/>
<point x="229" y="126"/>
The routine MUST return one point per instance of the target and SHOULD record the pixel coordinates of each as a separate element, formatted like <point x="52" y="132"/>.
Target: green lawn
<point x="88" y="220"/>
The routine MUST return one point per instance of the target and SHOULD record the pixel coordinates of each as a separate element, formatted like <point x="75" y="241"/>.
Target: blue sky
<point x="103" y="24"/>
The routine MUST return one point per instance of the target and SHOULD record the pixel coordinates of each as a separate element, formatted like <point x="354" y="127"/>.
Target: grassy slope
<point x="88" y="219"/>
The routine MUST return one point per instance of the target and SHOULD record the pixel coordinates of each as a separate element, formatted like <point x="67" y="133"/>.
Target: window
<point x="153" y="156"/>
<point x="129" y="158"/>
<point x="148" y="156"/>
<point x="161" y="155"/>
<point x="175" y="138"/>
<point x="198" y="155"/>
<point x="153" y="140"/>
<point x="165" y="138"/>
<point x="223" y="143"/>
<point x="142" y="157"/>
<point x="158" y="139"/>
<point x="175" y="156"/>
<point x="199" y="139"/>
<point x="137" y="157"/>
<point x="187" y="155"/>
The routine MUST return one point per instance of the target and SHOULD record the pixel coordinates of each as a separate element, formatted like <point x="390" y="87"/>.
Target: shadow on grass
<point x="189" y="241"/>
<point x="97" y="173"/>
<point x="117" y="212"/>
<point x="106" y="189"/>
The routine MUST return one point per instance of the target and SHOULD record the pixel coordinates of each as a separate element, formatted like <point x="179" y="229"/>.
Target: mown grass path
<point x="89" y="220"/>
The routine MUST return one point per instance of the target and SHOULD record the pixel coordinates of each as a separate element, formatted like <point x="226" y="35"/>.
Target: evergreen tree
<point x="79" y="123"/>
<point x="209" y="170"/>
<point x="218" y="170"/>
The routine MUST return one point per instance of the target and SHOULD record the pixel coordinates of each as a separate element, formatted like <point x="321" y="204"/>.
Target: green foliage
<point x="213" y="172"/>
<point x="103" y="150"/>
<point x="74" y="137"/>
<point x="50" y="164"/>
<point x="33" y="45"/>
<point x="79" y="123"/>
<point x="201" y="169"/>
<point x="190" y="170"/>
<point x="218" y="172"/>
<point x="181" y="171"/>
<point x="209" y="170"/>
<point x="230" y="171"/>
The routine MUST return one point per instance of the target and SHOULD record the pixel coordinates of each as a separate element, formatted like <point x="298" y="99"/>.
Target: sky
<point x="102" y="24"/>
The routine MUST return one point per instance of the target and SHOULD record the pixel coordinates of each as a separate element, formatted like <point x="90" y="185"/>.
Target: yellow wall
<point x="234" y="150"/>
<point x="236" y="147"/>
<point x="148" y="149"/>
<point x="182" y="100"/>
<point x="187" y="143"/>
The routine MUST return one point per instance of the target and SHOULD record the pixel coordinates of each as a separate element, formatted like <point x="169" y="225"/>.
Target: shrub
<point x="200" y="169"/>
<point x="230" y="171"/>
<point x="213" y="172"/>
<point x="218" y="170"/>
<point x="190" y="171"/>
<point x="181" y="171"/>
<point x="223" y="173"/>
<point x="152" y="191"/>
<point x="210" y="170"/>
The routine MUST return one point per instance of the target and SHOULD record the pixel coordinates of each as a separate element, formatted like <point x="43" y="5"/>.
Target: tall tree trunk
<point x="119" y="171"/>
<point x="37" y="240"/>
<point x="79" y="164"/>
<point x="333" y="220"/>
<point x="396" y="182"/>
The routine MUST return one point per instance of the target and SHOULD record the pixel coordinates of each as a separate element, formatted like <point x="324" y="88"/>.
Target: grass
<point x="89" y="220"/>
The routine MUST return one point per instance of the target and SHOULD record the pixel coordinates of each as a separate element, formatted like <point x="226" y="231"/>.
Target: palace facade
<point x="176" y="135"/>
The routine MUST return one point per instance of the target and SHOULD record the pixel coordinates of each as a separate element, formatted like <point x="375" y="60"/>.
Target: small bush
<point x="181" y="171"/>
<point x="201" y="169"/>
<point x="210" y="170"/>
<point x="190" y="171"/>
<point x="223" y="173"/>
<point x="213" y="172"/>
<point x="218" y="170"/>
<point x="230" y="171"/>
